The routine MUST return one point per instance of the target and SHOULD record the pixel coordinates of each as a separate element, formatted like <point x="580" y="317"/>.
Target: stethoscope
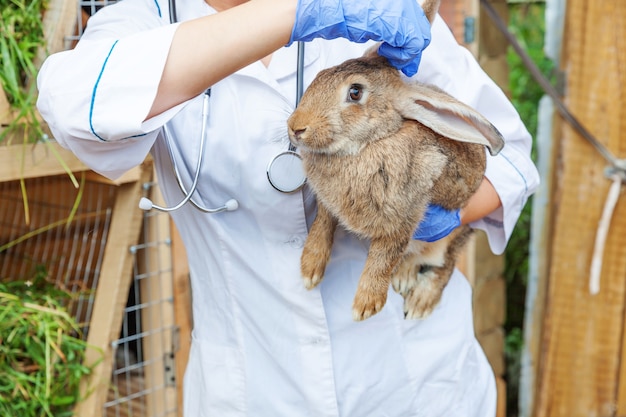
<point x="284" y="172"/>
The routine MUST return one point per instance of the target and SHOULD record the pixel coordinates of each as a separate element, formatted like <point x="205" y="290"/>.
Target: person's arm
<point x="132" y="71"/>
<point x="484" y="202"/>
<point x="439" y="222"/>
<point x="511" y="176"/>
<point x="205" y="50"/>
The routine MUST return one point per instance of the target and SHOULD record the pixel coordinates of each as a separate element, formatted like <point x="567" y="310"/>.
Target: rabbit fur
<point x="377" y="149"/>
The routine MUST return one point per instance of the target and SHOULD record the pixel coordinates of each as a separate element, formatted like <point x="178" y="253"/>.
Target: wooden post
<point x="59" y="22"/>
<point x="6" y="114"/>
<point x="492" y="50"/>
<point x="157" y="315"/>
<point x="482" y="268"/>
<point x="111" y="295"/>
<point x="36" y="160"/>
<point x="582" y="370"/>
<point x="182" y="311"/>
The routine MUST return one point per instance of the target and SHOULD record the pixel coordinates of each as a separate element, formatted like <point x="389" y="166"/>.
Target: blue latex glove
<point x="437" y="223"/>
<point x="400" y="24"/>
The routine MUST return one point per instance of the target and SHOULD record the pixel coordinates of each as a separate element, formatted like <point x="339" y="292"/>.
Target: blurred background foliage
<point x="527" y="23"/>
<point x="41" y="349"/>
<point x="21" y="38"/>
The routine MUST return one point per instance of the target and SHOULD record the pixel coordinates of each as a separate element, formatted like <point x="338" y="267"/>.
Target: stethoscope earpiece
<point x="146" y="204"/>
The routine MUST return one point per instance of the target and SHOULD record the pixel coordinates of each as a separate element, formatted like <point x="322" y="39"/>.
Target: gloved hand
<point x="400" y="24"/>
<point x="437" y="223"/>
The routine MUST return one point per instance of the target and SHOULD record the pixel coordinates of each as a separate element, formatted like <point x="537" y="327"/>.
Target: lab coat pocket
<point x="214" y="382"/>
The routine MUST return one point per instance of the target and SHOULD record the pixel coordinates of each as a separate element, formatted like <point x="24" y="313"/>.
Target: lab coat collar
<point x="284" y="63"/>
<point x="192" y="9"/>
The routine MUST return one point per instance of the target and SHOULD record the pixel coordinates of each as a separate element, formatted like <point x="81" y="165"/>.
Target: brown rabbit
<point x="377" y="149"/>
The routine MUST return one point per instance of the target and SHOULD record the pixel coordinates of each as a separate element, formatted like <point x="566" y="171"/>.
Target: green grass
<point x="41" y="350"/>
<point x="21" y="39"/>
<point x="21" y="42"/>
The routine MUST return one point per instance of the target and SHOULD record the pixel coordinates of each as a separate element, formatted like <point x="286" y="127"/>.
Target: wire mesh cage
<point x="143" y="381"/>
<point x="125" y="310"/>
<point x="86" y="9"/>
<point x="71" y="252"/>
<point x="72" y="248"/>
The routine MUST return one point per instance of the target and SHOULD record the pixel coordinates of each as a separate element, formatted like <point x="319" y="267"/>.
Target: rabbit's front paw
<point x="421" y="300"/>
<point x="312" y="268"/>
<point x="368" y="302"/>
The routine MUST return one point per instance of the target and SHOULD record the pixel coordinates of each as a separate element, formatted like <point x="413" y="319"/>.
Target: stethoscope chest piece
<point x="285" y="172"/>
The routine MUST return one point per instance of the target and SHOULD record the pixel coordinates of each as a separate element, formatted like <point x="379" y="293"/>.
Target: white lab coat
<point x="264" y="346"/>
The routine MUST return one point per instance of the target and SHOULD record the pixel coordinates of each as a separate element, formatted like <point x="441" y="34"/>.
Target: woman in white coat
<point x="263" y="346"/>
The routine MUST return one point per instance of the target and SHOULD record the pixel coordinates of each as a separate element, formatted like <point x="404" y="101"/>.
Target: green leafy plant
<point x="21" y="39"/>
<point x="21" y="42"/>
<point x="41" y="350"/>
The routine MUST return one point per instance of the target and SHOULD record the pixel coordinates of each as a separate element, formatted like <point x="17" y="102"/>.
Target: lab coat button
<point x="296" y="241"/>
<point x="317" y="340"/>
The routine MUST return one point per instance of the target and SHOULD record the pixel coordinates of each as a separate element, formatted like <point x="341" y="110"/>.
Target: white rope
<point x="603" y="230"/>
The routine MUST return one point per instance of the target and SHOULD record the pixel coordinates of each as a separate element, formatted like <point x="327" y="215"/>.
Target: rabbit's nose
<point x="298" y="133"/>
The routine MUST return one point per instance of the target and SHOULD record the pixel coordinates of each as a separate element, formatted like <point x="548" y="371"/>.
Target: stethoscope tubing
<point x="279" y="179"/>
<point x="147" y="204"/>
<point x="299" y="80"/>
<point x="231" y="204"/>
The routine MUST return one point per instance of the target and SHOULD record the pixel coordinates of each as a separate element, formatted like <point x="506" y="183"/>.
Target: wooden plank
<point x="501" y="389"/>
<point x="581" y="370"/>
<point x="620" y="43"/>
<point x="490" y="50"/>
<point x="34" y="161"/>
<point x="182" y="310"/>
<point x="111" y="295"/>
<point x="6" y="114"/>
<point x="30" y="161"/>
<point x="59" y="22"/>
<point x="157" y="315"/>
<point x="131" y="176"/>
<point x="493" y="46"/>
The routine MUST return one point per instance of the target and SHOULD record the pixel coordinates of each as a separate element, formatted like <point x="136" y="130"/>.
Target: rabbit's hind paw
<point x="423" y="297"/>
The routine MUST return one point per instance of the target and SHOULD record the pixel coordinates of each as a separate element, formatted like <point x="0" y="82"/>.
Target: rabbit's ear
<point x="450" y="118"/>
<point x="430" y="7"/>
<point x="372" y="51"/>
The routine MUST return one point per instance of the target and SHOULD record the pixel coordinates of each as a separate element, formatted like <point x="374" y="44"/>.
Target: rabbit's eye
<point x="355" y="93"/>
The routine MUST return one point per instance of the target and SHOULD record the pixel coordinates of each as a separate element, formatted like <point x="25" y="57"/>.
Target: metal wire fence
<point x="143" y="381"/>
